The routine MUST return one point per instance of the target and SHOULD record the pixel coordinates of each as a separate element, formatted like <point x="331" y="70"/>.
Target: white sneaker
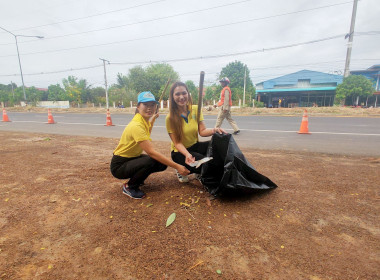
<point x="181" y="178"/>
<point x="198" y="177"/>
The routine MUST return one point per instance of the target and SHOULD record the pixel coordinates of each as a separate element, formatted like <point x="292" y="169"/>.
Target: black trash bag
<point x="229" y="172"/>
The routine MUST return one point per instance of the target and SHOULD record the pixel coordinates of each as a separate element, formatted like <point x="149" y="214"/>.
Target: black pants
<point x="137" y="168"/>
<point x="198" y="150"/>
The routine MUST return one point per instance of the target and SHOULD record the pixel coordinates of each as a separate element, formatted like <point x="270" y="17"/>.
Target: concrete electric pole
<point x="105" y="78"/>
<point x="245" y="76"/>
<point x="350" y="39"/>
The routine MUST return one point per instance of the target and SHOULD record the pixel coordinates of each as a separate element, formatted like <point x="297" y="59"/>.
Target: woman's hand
<point x="153" y="118"/>
<point x="189" y="159"/>
<point x="182" y="170"/>
<point x="219" y="130"/>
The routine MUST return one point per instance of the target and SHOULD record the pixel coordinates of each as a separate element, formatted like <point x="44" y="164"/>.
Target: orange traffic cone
<point x="109" y="121"/>
<point x="50" y="118"/>
<point x="304" y="129"/>
<point x="5" y="116"/>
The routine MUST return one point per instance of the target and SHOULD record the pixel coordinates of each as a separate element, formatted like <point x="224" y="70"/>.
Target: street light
<point x="18" y="54"/>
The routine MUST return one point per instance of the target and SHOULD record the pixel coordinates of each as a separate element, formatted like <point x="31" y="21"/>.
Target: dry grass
<point x="208" y="110"/>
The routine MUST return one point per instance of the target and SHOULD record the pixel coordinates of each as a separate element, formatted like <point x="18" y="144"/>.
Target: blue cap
<point x="146" y="96"/>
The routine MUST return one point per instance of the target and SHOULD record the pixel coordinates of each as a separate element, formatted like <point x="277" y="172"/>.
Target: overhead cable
<point x="199" y="29"/>
<point x="187" y="13"/>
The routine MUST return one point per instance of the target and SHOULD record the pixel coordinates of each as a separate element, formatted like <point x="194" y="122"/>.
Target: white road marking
<point x="251" y="130"/>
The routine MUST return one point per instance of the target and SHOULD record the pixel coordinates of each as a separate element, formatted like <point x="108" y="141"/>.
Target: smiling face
<point x="147" y="109"/>
<point x="181" y="97"/>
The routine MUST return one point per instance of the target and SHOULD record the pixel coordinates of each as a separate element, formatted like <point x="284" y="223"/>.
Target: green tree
<point x="34" y="95"/>
<point x="121" y="81"/>
<point x="121" y="95"/>
<point x="10" y="94"/>
<point x="85" y="89"/>
<point x="193" y="91"/>
<point x="72" y="89"/>
<point x="4" y="93"/>
<point x="56" y="93"/>
<point x="138" y="79"/>
<point x="97" y="95"/>
<point x="152" y="79"/>
<point x="211" y="94"/>
<point x="77" y="91"/>
<point x="235" y="73"/>
<point x="353" y="88"/>
<point x="158" y="75"/>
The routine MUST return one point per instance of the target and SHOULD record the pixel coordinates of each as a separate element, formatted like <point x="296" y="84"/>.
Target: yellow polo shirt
<point x="136" y="131"/>
<point x="190" y="128"/>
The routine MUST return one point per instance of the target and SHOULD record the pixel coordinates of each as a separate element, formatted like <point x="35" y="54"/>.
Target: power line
<point x="156" y="36"/>
<point x="202" y="57"/>
<point x="138" y="22"/>
<point x="196" y="11"/>
<point x="194" y="58"/>
<point x="234" y="54"/>
<point x="58" y="71"/>
<point x="90" y="16"/>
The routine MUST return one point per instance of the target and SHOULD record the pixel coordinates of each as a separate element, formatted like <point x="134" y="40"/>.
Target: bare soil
<point x="63" y="216"/>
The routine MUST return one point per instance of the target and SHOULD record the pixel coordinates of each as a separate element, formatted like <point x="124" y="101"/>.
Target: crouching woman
<point x="128" y="161"/>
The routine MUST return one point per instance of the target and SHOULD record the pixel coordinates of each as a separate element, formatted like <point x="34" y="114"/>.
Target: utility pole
<point x="105" y="78"/>
<point x="245" y="74"/>
<point x="350" y="39"/>
<point x="18" y="55"/>
<point x="13" y="92"/>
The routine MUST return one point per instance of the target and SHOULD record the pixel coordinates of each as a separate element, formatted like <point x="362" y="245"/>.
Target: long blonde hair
<point x="175" y="120"/>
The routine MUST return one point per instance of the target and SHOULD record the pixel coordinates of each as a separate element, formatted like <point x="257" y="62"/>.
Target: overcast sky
<point x="272" y="37"/>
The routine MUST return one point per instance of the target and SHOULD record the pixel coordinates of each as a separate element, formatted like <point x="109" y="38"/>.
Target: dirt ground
<point x="63" y="216"/>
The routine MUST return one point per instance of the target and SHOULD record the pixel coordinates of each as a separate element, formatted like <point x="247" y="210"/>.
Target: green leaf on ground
<point x="170" y="220"/>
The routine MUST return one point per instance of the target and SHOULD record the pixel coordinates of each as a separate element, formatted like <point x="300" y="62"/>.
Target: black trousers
<point x="198" y="150"/>
<point x="137" y="168"/>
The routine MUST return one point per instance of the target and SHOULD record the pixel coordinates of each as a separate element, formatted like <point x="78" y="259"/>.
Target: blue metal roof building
<point x="304" y="88"/>
<point x="372" y="73"/>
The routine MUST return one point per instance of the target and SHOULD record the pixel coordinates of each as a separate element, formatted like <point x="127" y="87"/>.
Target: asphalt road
<point x="337" y="135"/>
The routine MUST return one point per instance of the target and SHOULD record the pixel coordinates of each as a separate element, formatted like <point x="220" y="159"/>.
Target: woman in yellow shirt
<point x="183" y="129"/>
<point x="128" y="160"/>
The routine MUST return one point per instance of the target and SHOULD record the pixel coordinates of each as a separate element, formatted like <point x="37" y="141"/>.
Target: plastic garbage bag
<point x="229" y="171"/>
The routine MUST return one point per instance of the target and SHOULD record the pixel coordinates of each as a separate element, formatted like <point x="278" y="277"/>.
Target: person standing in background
<point x="225" y="104"/>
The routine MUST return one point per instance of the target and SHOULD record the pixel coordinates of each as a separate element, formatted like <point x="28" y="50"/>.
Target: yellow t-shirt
<point x="190" y="128"/>
<point x="136" y="131"/>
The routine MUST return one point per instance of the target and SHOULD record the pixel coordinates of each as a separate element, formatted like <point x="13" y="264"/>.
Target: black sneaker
<point x="236" y="132"/>
<point x="135" y="193"/>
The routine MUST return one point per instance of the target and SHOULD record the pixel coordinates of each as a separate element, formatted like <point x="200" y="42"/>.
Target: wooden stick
<point x="162" y="94"/>
<point x="201" y="80"/>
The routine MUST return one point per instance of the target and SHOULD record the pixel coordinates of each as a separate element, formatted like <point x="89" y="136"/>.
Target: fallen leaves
<point x="171" y="219"/>
<point x="195" y="265"/>
<point x="208" y="202"/>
